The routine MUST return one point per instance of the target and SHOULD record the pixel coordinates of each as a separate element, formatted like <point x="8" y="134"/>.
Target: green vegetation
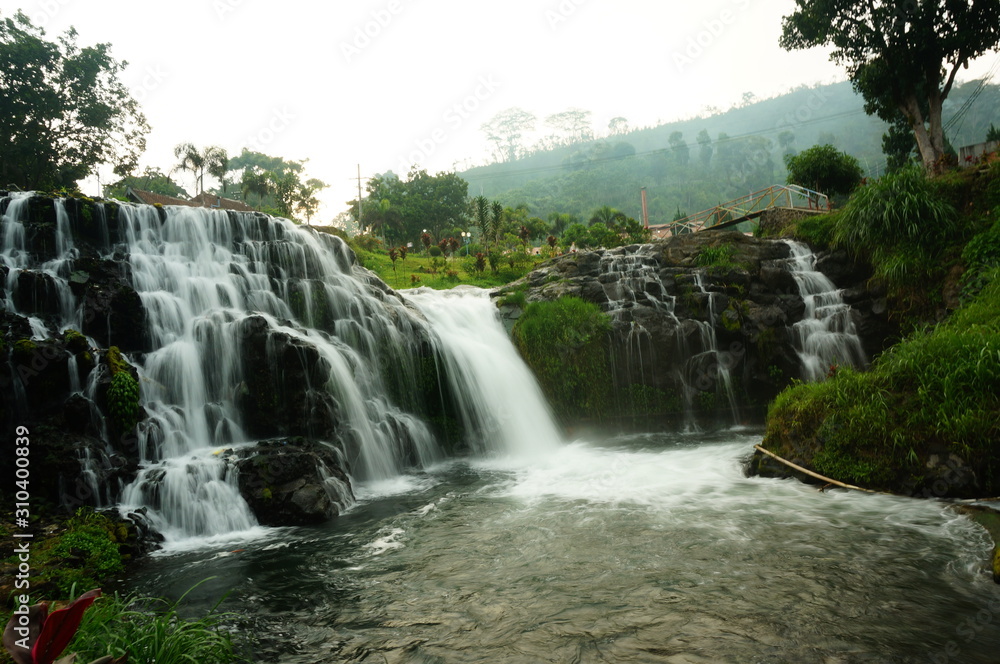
<point x="825" y="169"/>
<point x="151" y="630"/>
<point x="84" y="554"/>
<point x="903" y="58"/>
<point x="64" y="109"/>
<point x="439" y="272"/>
<point x="123" y="393"/>
<point x="936" y="390"/>
<point x="901" y="223"/>
<point x="718" y="257"/>
<point x="565" y="344"/>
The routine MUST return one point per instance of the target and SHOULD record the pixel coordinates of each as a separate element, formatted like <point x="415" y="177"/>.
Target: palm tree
<point x="213" y="159"/>
<point x="256" y="182"/>
<point x="306" y="201"/>
<point x="217" y="164"/>
<point x="481" y="212"/>
<point x="605" y="215"/>
<point x="191" y="160"/>
<point x="496" y="220"/>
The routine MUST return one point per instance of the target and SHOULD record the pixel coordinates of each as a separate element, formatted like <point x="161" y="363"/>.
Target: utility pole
<point x="361" y="228"/>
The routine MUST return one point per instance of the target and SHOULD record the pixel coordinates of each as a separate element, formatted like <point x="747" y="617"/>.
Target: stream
<point x="640" y="548"/>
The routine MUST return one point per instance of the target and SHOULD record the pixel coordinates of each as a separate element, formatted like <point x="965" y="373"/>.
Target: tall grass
<point x="935" y="390"/>
<point x="901" y="222"/>
<point x="151" y="630"/>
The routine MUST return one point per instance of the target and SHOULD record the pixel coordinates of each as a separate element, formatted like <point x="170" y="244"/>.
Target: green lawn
<point x="441" y="273"/>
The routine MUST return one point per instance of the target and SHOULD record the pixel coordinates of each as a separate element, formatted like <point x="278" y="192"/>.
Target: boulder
<point x="293" y="481"/>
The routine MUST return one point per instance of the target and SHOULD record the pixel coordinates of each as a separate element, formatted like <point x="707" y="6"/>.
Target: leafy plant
<point x="565" y="344"/>
<point x="900" y="222"/>
<point x="151" y="630"/>
<point x="38" y="637"/>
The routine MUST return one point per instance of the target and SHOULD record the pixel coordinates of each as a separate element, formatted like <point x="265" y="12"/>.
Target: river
<point x="639" y="548"/>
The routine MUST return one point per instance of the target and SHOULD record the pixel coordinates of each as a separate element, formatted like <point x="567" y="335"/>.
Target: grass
<point x="151" y="630"/>
<point x="565" y="344"/>
<point x="439" y="273"/>
<point x="934" y="390"/>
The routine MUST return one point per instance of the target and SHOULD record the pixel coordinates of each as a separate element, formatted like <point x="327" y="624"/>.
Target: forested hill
<point x="694" y="164"/>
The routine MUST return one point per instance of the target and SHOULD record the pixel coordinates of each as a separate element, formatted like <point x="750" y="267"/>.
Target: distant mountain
<point x="739" y="151"/>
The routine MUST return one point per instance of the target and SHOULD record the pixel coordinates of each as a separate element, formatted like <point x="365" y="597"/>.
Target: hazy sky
<point x="385" y="83"/>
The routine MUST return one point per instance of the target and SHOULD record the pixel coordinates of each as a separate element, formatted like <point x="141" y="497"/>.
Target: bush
<point x="825" y="169"/>
<point x="435" y="252"/>
<point x="565" y="342"/>
<point x="900" y="222"/>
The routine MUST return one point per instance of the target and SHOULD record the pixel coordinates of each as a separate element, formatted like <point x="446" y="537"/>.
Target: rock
<point x="293" y="481"/>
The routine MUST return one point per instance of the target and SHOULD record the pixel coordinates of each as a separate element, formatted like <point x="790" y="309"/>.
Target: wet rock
<point x="293" y="481"/>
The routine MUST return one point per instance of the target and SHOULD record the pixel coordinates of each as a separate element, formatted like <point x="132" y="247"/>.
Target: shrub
<point x="825" y="169"/>
<point x="900" y="222"/>
<point x="565" y="344"/>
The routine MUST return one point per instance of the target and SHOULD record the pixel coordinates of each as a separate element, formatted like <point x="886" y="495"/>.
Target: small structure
<point x="790" y="197"/>
<point x="972" y="155"/>
<point x="203" y="199"/>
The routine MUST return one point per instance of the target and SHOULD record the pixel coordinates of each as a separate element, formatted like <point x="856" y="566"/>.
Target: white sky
<point x="294" y="79"/>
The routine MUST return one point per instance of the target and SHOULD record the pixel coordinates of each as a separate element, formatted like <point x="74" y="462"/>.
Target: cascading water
<point x="501" y="404"/>
<point x="206" y="278"/>
<point x="826" y="335"/>
<point x="634" y="283"/>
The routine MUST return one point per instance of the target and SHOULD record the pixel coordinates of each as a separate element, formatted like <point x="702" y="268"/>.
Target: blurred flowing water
<point x="645" y="548"/>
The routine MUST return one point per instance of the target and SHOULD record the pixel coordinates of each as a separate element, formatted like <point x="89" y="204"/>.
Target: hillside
<point x="744" y="152"/>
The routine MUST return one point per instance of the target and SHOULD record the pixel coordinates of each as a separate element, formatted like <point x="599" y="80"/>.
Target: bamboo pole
<point x="811" y="473"/>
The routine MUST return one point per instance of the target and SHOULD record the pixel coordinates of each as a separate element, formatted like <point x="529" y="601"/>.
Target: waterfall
<point x="500" y="402"/>
<point x="826" y="335"/>
<point x="635" y="283"/>
<point x="213" y="284"/>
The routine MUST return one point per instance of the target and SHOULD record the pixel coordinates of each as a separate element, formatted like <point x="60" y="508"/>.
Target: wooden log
<point x="811" y="473"/>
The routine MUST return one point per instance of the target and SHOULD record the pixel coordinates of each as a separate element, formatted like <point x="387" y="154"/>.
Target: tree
<point x="993" y="134"/>
<point x="255" y="181"/>
<point x="306" y="201"/>
<point x="705" y="148"/>
<point x="506" y="130"/>
<point x="574" y="124"/>
<point x="422" y="201"/>
<point x="901" y="56"/>
<point x="618" y="126"/>
<point x="212" y="160"/>
<point x="682" y="153"/>
<point x="825" y="169"/>
<point x="152" y="179"/>
<point x="63" y="110"/>
<point x="217" y="164"/>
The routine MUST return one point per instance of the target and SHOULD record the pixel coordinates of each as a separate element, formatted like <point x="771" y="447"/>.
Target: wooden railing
<point x="792" y="197"/>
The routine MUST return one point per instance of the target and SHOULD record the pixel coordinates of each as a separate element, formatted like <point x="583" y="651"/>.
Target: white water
<point x="500" y="401"/>
<point x="826" y="335"/>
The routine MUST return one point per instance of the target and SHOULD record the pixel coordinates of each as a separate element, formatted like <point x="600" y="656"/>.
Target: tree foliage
<point x="63" y="110"/>
<point x="901" y="56"/>
<point x="825" y="169"/>
<point x="438" y="203"/>
<point x="152" y="179"/>
<point x="506" y="130"/>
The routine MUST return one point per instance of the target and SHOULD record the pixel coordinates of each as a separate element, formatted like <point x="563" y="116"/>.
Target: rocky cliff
<point x="701" y="322"/>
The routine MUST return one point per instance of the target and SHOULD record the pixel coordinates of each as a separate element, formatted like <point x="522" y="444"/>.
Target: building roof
<point x="206" y="199"/>
<point x="149" y="198"/>
<point x="201" y="200"/>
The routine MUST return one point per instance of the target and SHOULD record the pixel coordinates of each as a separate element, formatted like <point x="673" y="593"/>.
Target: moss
<point x="514" y="297"/>
<point x="123" y="393"/>
<point x="565" y="342"/>
<point x="266" y="493"/>
<point x="86" y="553"/>
<point x="75" y="341"/>
<point x="24" y="349"/>
<point x="731" y="318"/>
